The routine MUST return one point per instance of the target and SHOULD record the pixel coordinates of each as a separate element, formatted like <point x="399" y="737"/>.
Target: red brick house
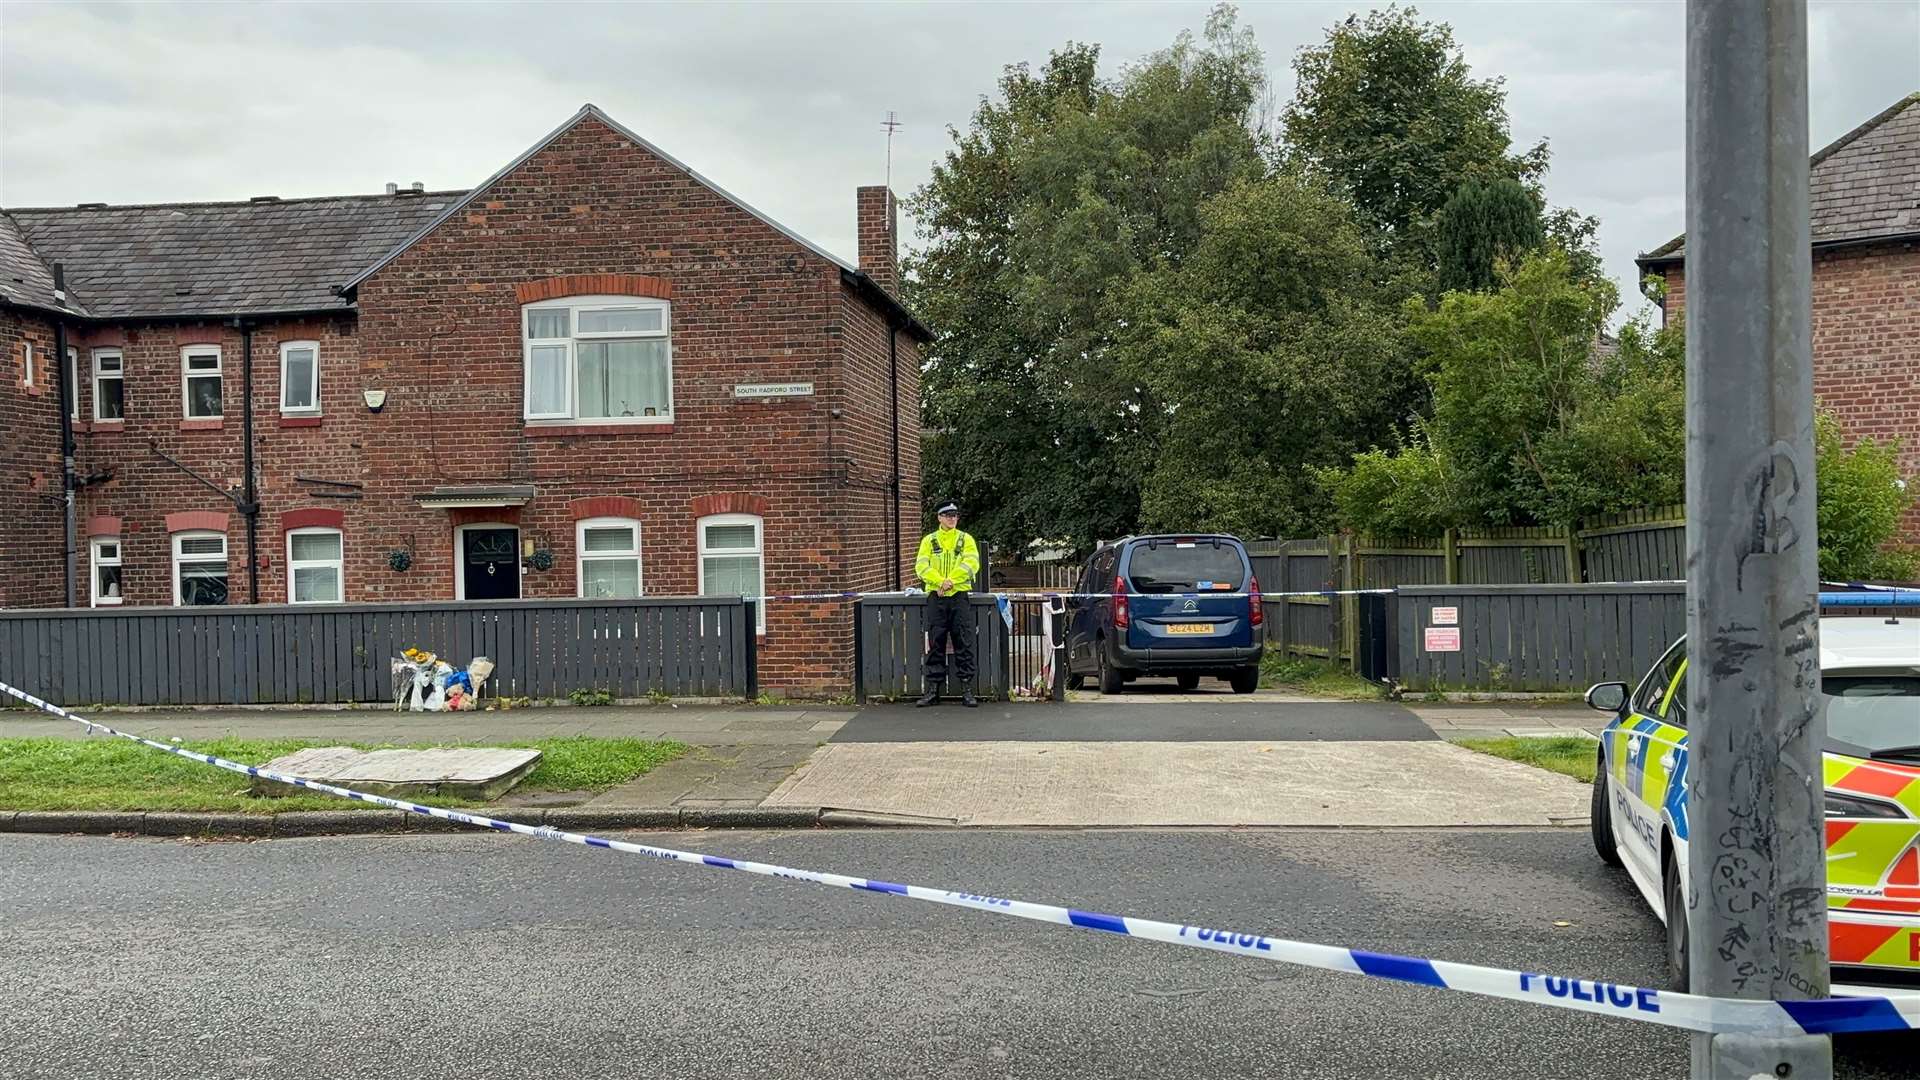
<point x="1865" y="214"/>
<point x="596" y="373"/>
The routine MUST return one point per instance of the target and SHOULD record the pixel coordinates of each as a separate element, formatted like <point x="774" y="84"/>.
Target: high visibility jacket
<point x="947" y="554"/>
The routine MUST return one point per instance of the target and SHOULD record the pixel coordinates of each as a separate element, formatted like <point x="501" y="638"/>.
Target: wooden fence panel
<point x="892" y="636"/>
<point x="286" y="654"/>
<point x="1538" y="638"/>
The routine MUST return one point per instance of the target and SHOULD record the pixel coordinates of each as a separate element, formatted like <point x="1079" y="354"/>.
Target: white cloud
<point x="780" y="103"/>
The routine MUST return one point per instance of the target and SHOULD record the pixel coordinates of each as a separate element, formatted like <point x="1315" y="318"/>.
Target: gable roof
<point x="1863" y="186"/>
<point x="276" y="256"/>
<point x="851" y="274"/>
<point x="24" y="277"/>
<point x="245" y="258"/>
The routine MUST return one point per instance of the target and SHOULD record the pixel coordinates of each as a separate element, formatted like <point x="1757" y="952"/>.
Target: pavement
<point x="436" y="957"/>
<point x="1153" y="756"/>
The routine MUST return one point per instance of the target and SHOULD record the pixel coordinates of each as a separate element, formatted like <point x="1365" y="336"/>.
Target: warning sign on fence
<point x="1443" y="639"/>
<point x="1446" y="616"/>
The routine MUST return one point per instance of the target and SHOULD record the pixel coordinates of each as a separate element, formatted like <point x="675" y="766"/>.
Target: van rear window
<point x="1171" y="568"/>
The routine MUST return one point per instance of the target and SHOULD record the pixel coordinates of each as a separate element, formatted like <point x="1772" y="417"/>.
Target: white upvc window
<point x="599" y="360"/>
<point x="199" y="569"/>
<point x="106" y="570"/>
<point x="26" y="360"/>
<point x="70" y="382"/>
<point x="109" y="384"/>
<point x="732" y="560"/>
<point x="316" y="566"/>
<point x="300" y="378"/>
<point x="200" y="382"/>
<point x="608" y="557"/>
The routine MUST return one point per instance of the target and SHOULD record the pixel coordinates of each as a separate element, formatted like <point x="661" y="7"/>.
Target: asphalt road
<point x="493" y="956"/>
<point x="1139" y="720"/>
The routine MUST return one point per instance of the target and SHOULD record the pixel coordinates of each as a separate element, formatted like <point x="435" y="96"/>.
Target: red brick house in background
<point x="596" y="357"/>
<point x="1865" y="195"/>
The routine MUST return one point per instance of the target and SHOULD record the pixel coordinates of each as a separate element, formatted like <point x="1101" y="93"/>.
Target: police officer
<point x="948" y="560"/>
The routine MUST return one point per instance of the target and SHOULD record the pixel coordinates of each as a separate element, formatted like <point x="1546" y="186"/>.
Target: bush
<point x="1862" y="500"/>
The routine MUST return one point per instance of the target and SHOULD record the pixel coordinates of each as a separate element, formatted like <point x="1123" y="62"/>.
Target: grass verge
<point x="115" y="774"/>
<point x="1569" y="754"/>
<point x="1317" y="677"/>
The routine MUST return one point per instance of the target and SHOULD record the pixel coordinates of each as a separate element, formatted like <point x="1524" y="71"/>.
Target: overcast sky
<point x="779" y="103"/>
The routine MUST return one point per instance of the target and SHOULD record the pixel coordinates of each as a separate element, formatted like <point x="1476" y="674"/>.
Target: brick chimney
<point x="879" y="221"/>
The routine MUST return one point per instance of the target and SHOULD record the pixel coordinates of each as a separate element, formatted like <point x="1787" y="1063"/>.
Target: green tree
<point x="1861" y="502"/>
<point x="1388" y="108"/>
<point x="1481" y="226"/>
<point x="1062" y="190"/>
<point x="1273" y="348"/>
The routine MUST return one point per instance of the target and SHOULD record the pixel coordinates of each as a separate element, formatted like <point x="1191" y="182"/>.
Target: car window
<point x="1651" y="700"/>
<point x="1877" y="713"/>
<point x="1102" y="572"/>
<point x="1676" y="713"/>
<point x="1180" y="566"/>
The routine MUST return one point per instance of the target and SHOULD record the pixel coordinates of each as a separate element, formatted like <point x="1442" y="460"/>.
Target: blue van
<point x="1179" y="605"/>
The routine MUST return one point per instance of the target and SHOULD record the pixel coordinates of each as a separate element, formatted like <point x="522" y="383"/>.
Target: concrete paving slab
<point x="470" y="772"/>
<point x="1157" y="721"/>
<point x="1380" y="783"/>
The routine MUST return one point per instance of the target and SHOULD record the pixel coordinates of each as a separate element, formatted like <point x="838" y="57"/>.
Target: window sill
<point x="300" y="421"/>
<point x="108" y="427"/>
<point x="537" y="429"/>
<point x="214" y="424"/>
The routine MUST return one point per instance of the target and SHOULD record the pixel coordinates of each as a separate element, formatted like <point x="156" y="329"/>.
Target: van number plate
<point x="1190" y="628"/>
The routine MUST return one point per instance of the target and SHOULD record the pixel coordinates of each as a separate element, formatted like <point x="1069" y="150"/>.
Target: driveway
<point x="1135" y="761"/>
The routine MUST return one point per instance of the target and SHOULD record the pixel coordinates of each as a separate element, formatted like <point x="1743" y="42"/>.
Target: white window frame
<point x="187" y="375"/>
<point x="96" y="561"/>
<point x="581" y="558"/>
<point x="199" y="534"/>
<point x="314" y="384"/>
<point x="27" y="355"/>
<point x="119" y="375"/>
<point x="339" y="565"/>
<point x="759" y="549"/>
<point x="573" y="306"/>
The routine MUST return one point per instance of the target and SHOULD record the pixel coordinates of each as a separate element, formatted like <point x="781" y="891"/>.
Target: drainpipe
<point x="250" y="495"/>
<point x="893" y="377"/>
<point x="68" y="392"/>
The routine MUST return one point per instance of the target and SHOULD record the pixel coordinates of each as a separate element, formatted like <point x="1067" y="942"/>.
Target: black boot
<point x="931" y="697"/>
<point x="970" y="701"/>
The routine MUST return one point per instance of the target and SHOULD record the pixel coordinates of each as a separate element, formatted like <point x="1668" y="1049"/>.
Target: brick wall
<point x="146" y="488"/>
<point x="1866" y="345"/>
<point x="33" y="528"/>
<point x="440" y="329"/>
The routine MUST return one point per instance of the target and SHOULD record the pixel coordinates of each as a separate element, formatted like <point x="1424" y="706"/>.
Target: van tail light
<point x="1120" y="616"/>
<point x="1256" y="612"/>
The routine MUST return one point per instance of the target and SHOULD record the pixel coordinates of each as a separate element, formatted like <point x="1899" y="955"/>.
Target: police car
<point x="1870" y="696"/>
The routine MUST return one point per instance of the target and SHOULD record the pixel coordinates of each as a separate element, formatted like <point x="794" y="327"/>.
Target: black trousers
<point x="949" y="618"/>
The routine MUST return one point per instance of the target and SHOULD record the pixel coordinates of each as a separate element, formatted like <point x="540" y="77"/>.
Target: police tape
<point x="1202" y="594"/>
<point x="1691" y="1012"/>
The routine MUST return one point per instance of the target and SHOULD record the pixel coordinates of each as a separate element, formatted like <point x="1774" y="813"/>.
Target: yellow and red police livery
<point x="1870" y="708"/>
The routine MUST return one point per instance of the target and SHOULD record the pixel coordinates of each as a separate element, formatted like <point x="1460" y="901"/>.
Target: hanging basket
<point x="541" y="559"/>
<point x="400" y="560"/>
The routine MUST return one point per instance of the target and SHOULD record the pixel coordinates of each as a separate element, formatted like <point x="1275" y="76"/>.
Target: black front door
<point x="490" y="559"/>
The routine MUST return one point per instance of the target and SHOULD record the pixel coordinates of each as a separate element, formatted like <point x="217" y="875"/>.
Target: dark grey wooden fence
<point x="1538" y="637"/>
<point x="299" y="654"/>
<point x="890" y="645"/>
